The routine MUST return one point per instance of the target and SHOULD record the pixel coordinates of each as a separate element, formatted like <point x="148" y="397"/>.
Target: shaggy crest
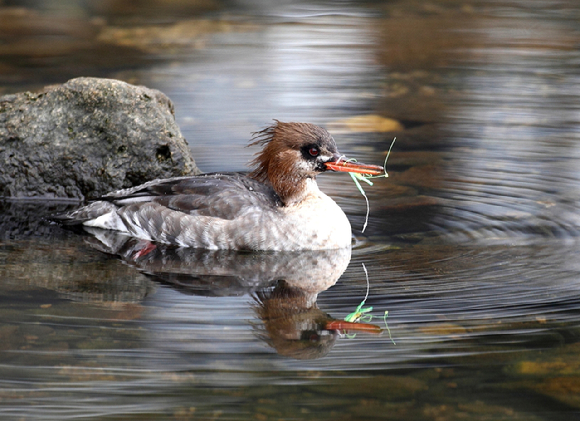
<point x="276" y="163"/>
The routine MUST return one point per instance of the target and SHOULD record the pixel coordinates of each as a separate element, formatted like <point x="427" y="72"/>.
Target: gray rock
<point x="88" y="137"/>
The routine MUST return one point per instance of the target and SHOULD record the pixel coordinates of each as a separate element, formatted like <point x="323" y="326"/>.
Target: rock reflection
<point x="284" y="285"/>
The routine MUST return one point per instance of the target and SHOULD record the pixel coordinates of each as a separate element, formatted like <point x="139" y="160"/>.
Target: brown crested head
<point x="291" y="154"/>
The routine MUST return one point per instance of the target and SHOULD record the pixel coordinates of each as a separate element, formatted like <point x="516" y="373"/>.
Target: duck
<point x="277" y="206"/>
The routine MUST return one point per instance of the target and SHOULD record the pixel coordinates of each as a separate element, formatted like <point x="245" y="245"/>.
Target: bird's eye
<point x="313" y="151"/>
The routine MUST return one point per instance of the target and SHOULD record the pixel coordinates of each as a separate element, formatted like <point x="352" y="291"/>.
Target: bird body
<point x="278" y="206"/>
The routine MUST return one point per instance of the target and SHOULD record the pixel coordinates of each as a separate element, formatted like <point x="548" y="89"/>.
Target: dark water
<point x="471" y="246"/>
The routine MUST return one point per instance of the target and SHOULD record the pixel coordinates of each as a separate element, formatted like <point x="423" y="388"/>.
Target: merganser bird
<point x="277" y="206"/>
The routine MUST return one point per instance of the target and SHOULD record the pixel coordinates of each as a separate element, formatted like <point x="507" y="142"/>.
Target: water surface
<point x="470" y="247"/>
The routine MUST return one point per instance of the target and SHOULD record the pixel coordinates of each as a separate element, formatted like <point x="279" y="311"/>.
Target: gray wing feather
<point x="220" y="195"/>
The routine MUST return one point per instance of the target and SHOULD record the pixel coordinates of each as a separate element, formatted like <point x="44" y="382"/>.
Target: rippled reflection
<point x="514" y="171"/>
<point x="284" y="286"/>
<point x="195" y="326"/>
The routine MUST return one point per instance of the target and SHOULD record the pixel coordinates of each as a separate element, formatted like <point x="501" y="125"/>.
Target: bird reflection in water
<point x="284" y="285"/>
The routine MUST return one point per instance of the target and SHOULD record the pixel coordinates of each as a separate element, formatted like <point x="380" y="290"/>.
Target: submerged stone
<point x="87" y="137"/>
<point x="367" y="123"/>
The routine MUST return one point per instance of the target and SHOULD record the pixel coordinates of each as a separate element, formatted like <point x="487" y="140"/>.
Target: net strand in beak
<point x="356" y="176"/>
